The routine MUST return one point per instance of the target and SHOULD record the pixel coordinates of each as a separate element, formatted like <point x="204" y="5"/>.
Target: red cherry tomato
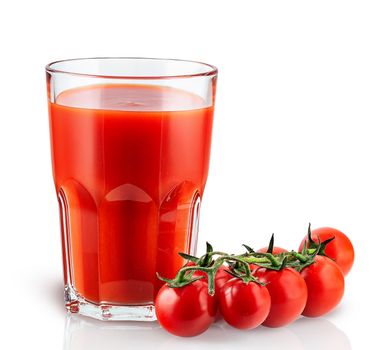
<point x="244" y="305"/>
<point x="288" y="292"/>
<point x="325" y="284"/>
<point x="340" y="249"/>
<point x="186" y="311"/>
<point x="276" y="250"/>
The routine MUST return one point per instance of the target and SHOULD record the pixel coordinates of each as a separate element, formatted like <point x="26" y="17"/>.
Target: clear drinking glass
<point x="130" y="141"/>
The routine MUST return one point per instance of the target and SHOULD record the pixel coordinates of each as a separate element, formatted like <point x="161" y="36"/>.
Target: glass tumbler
<point x="130" y="143"/>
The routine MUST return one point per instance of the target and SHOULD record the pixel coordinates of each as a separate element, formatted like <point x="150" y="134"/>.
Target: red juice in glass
<point x="130" y="162"/>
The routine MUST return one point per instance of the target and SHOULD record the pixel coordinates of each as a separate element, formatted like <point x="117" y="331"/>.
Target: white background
<point x="300" y="135"/>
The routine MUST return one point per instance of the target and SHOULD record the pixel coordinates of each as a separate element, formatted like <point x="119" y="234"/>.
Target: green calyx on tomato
<point x="193" y="267"/>
<point x="271" y="248"/>
<point x="304" y="258"/>
<point x="271" y="244"/>
<point x="189" y="273"/>
<point x="239" y="266"/>
<point x="318" y="247"/>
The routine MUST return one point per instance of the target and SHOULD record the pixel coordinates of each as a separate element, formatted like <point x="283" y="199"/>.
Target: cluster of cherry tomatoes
<point x="272" y="286"/>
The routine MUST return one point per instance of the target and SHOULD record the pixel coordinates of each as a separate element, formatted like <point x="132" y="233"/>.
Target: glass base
<point x="76" y="304"/>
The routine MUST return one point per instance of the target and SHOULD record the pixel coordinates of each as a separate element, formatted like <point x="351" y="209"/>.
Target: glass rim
<point x="211" y="71"/>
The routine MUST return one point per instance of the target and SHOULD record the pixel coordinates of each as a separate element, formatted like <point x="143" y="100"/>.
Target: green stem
<point x="268" y="260"/>
<point x="217" y="253"/>
<point x="254" y="260"/>
<point x="260" y="258"/>
<point x="182" y="272"/>
<point x="299" y="256"/>
<point x="272" y="259"/>
<point x="242" y="261"/>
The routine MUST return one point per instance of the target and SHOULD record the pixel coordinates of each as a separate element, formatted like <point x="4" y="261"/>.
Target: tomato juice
<point x="130" y="164"/>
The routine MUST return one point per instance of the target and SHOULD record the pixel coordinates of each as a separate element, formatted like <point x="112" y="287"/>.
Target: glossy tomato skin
<point x="288" y="292"/>
<point x="186" y="311"/>
<point x="244" y="305"/>
<point x="275" y="251"/>
<point x="325" y="284"/>
<point x="340" y="249"/>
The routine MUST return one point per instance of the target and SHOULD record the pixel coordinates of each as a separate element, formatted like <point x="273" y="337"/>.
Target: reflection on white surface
<point x="320" y="334"/>
<point x="82" y="333"/>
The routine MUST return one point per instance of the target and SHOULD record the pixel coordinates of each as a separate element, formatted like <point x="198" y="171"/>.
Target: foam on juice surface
<point x="130" y="98"/>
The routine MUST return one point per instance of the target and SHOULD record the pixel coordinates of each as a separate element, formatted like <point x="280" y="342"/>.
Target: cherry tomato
<point x="288" y="292"/>
<point x="276" y="250"/>
<point x="186" y="311"/>
<point x="244" y="305"/>
<point x="325" y="284"/>
<point x="340" y="249"/>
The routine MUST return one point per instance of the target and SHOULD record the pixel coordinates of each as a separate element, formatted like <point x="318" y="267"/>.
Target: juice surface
<point x="130" y="164"/>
